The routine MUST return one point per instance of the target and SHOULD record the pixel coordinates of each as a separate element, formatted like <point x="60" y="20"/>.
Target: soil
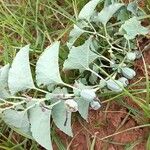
<point x="111" y="119"/>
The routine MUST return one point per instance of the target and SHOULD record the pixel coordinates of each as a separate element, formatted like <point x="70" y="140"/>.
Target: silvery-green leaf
<point x="75" y="33"/>
<point x="88" y="10"/>
<point x="40" y="126"/>
<point x="123" y="14"/>
<point x="18" y="120"/>
<point x="83" y="107"/>
<point x="4" y="93"/>
<point x="59" y="114"/>
<point x="4" y="76"/>
<point x="20" y="77"/>
<point x="132" y="28"/>
<point x="133" y="7"/>
<point x="114" y="85"/>
<point x="107" y="12"/>
<point x="47" y="67"/>
<point x="128" y="72"/>
<point x="80" y="57"/>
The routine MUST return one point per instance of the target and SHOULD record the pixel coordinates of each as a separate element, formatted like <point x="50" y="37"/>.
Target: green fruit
<point x="88" y="94"/>
<point x="128" y="72"/>
<point x="71" y="105"/>
<point x="95" y="105"/>
<point x="124" y="81"/>
<point x="115" y="85"/>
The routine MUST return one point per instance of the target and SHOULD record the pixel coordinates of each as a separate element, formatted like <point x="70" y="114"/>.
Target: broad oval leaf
<point x="47" y="68"/>
<point x="88" y="10"/>
<point x="107" y="12"/>
<point x="18" y="120"/>
<point x="59" y="114"/>
<point x="80" y="57"/>
<point x="40" y="126"/>
<point x="20" y="77"/>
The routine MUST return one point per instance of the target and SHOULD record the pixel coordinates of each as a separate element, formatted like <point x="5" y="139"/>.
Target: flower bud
<point x="95" y="105"/>
<point x="71" y="105"/>
<point x="124" y="81"/>
<point x="115" y="85"/>
<point x="88" y="94"/>
<point x="131" y="56"/>
<point x="128" y="72"/>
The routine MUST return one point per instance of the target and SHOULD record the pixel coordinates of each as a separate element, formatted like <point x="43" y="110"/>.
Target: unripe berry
<point x="88" y="94"/>
<point x="114" y="85"/>
<point x="95" y="105"/>
<point x="124" y="81"/>
<point x="131" y="56"/>
<point x="71" y="105"/>
<point x="128" y="72"/>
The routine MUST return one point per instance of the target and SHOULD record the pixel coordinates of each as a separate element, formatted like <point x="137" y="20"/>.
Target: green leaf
<point x="20" y="77"/>
<point x="18" y="120"/>
<point x="133" y="7"/>
<point x="88" y="10"/>
<point x="40" y="126"/>
<point x="107" y="12"/>
<point x="4" y="81"/>
<point x="4" y="76"/>
<point x="59" y="114"/>
<point x="132" y="28"/>
<point x="47" y="68"/>
<point x="80" y="57"/>
<point x="76" y="32"/>
<point x="83" y="105"/>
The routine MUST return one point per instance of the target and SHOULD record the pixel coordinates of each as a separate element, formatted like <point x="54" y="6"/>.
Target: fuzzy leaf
<point x="59" y="114"/>
<point x="83" y="107"/>
<point x="132" y="28"/>
<point x="47" y="68"/>
<point x="20" y="77"/>
<point x="80" y="57"/>
<point x="18" y="120"/>
<point x="40" y="126"/>
<point x="88" y="10"/>
<point x="107" y="12"/>
<point x="4" y="81"/>
<point x="76" y="32"/>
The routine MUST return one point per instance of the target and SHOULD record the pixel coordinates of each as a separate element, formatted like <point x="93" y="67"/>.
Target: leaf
<point x="132" y="28"/>
<point x="47" y="68"/>
<point x="4" y="76"/>
<point x="40" y="126"/>
<point x="83" y="105"/>
<point x="88" y="10"/>
<point x="107" y="12"/>
<point x="4" y="81"/>
<point x="83" y="108"/>
<point x="59" y="114"/>
<point x="20" y="77"/>
<point x="133" y="7"/>
<point x="18" y="120"/>
<point x="80" y="57"/>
